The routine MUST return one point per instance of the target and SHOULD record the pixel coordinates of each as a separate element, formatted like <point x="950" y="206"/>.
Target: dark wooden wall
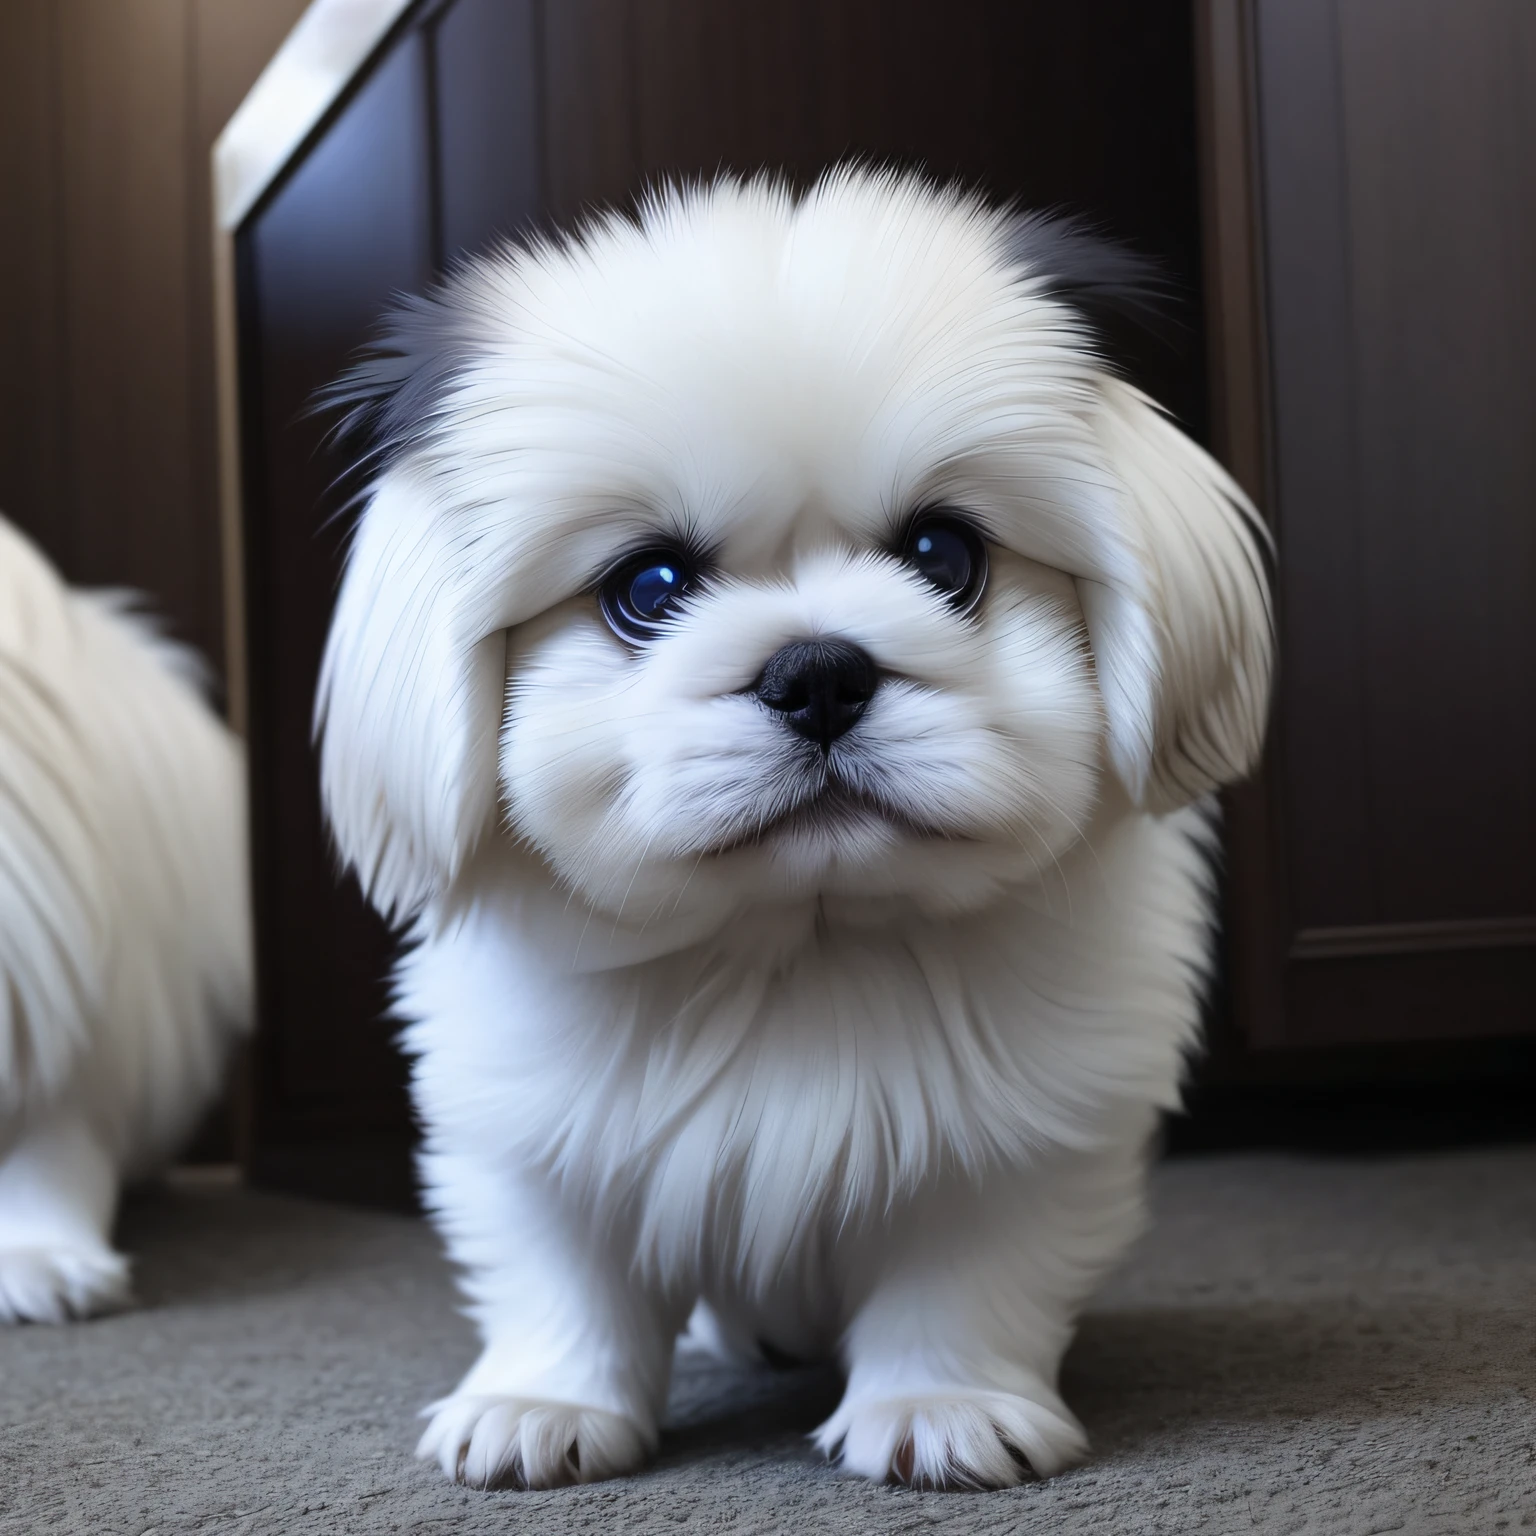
<point x="482" y="117"/>
<point x="108" y="110"/>
<point x="1399" y="145"/>
<point x="1372" y="171"/>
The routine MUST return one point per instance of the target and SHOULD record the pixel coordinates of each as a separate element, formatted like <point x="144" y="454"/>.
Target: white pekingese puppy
<point x="124" y="924"/>
<point x="779" y="675"/>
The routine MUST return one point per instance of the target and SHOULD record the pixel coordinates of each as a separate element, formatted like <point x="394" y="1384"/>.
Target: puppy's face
<point x="816" y="710"/>
<point x="765" y="549"/>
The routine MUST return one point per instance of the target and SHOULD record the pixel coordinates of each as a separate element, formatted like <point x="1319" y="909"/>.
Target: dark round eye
<point x="639" y="595"/>
<point x="949" y="554"/>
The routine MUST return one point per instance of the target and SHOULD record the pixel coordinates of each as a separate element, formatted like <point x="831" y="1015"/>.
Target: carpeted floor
<point x="1300" y="1346"/>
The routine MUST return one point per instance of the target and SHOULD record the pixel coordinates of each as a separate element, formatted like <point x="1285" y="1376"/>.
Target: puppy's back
<point x="124" y="923"/>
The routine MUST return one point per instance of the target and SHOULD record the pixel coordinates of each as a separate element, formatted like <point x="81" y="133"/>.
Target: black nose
<point x="821" y="687"/>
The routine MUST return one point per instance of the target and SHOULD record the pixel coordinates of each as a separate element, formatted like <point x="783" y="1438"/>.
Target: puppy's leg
<point x="963" y="1308"/>
<point x="58" y="1192"/>
<point x="573" y="1378"/>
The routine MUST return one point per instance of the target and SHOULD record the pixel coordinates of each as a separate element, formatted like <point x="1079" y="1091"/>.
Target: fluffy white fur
<point x="881" y="1088"/>
<point x="124" y="924"/>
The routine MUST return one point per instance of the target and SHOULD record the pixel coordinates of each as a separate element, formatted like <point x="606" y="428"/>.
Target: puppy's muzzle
<point x="820" y="688"/>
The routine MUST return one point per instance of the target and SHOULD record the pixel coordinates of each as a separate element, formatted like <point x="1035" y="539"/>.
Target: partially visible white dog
<point x="780" y="674"/>
<point x="124" y="924"/>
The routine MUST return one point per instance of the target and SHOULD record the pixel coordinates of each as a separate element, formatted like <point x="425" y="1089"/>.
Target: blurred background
<point x="1341" y="193"/>
<point x="108" y="447"/>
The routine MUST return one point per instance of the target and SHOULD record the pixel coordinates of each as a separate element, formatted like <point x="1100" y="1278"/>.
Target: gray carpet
<point x="1300" y="1346"/>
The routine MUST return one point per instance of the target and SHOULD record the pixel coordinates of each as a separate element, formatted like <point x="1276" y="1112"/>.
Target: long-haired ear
<point x="407" y="710"/>
<point x="1184" y="646"/>
<point x="1178" y="612"/>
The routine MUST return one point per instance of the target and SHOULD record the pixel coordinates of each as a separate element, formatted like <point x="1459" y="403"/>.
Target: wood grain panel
<point x="1306" y="193"/>
<point x="33" y="384"/>
<point x="1425" y="994"/>
<point x="590" y="133"/>
<point x="489" y="139"/>
<point x="107" y="114"/>
<point x="1233" y="264"/>
<point x="1439" y="141"/>
<point x="1249" y="998"/>
<point x="1387" y="857"/>
<point x="736" y="87"/>
<point x="124" y="101"/>
<point x="1400" y="178"/>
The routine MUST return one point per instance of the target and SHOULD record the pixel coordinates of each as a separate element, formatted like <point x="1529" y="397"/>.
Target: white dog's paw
<point x="524" y="1442"/>
<point x="56" y="1282"/>
<point x="954" y="1439"/>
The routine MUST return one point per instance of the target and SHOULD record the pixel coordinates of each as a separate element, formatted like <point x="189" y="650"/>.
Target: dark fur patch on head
<point x="1108" y="285"/>
<point x="394" y="395"/>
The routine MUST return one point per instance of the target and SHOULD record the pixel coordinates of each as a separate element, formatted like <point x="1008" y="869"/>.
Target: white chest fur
<point x="723" y="1100"/>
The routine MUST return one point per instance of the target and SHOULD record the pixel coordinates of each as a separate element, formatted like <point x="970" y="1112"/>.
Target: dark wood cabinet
<point x="347" y="229"/>
<point x="1384" y="237"/>
<point x="1363" y="258"/>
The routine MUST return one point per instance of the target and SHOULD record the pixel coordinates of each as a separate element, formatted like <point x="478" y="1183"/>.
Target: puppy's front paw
<point x="57" y="1282"/>
<point x="954" y="1439"/>
<point x="523" y="1442"/>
